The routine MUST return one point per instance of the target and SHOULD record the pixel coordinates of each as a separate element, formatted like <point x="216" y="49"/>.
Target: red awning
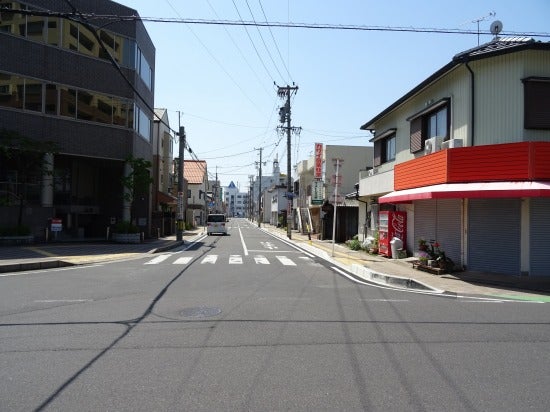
<point x="469" y="190"/>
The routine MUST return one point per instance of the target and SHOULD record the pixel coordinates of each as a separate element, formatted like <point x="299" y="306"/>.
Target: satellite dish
<point x="496" y="27"/>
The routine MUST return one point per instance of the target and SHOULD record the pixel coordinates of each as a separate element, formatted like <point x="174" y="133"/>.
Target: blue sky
<point x="222" y="81"/>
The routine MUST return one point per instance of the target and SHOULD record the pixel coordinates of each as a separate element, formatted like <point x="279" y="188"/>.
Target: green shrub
<point x="126" y="227"/>
<point x="354" y="244"/>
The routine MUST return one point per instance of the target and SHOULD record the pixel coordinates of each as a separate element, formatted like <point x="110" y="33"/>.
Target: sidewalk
<point x="70" y="253"/>
<point x="392" y="272"/>
<point x="400" y="272"/>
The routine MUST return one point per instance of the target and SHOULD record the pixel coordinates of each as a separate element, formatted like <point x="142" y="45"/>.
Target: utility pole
<point x="260" y="190"/>
<point x="250" y="198"/>
<point x="337" y="183"/>
<point x="284" y="115"/>
<point x="181" y="198"/>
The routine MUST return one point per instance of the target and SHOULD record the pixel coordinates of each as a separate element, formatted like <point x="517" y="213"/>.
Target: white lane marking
<point x="183" y="260"/>
<point x="242" y="241"/>
<point x="261" y="260"/>
<point x="285" y="261"/>
<point x="235" y="260"/>
<point x="209" y="259"/>
<point x="157" y="259"/>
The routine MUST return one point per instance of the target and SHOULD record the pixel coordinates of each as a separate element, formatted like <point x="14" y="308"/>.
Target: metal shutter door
<point x="439" y="220"/>
<point x="449" y="227"/>
<point x="494" y="235"/>
<point x="539" y="237"/>
<point x="424" y="221"/>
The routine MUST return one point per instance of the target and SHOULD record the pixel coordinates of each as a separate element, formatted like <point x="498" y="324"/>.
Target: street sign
<point x="57" y="225"/>
<point x="317" y="192"/>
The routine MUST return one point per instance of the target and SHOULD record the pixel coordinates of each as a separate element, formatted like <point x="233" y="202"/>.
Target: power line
<point x="275" y="42"/>
<point x="213" y="58"/>
<point x="239" y="49"/>
<point x="263" y="41"/>
<point x="251" y="41"/>
<point x="317" y="26"/>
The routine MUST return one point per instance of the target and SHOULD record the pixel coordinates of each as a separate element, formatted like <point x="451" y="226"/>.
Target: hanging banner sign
<point x="318" y="172"/>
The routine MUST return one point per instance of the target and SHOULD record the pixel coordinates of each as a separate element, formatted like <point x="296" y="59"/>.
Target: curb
<point x="47" y="264"/>
<point x="361" y="271"/>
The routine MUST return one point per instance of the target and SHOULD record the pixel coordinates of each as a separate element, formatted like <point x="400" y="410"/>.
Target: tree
<point x="137" y="181"/>
<point x="26" y="157"/>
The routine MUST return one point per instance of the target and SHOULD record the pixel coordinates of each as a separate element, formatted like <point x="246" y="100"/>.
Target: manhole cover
<point x="200" y="312"/>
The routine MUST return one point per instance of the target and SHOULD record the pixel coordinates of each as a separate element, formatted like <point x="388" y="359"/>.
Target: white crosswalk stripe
<point x="183" y="260"/>
<point x="231" y="260"/>
<point x="235" y="260"/>
<point x="285" y="261"/>
<point x="209" y="259"/>
<point x="158" y="259"/>
<point x="261" y="260"/>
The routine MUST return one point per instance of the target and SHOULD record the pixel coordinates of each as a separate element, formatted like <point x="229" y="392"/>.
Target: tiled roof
<point x="503" y="44"/>
<point x="194" y="171"/>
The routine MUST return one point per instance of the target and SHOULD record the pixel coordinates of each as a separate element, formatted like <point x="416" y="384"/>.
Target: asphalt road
<point x="247" y="322"/>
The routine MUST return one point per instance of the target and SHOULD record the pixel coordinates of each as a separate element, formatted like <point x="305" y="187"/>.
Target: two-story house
<point x="196" y="174"/>
<point x="163" y="193"/>
<point x="466" y="154"/>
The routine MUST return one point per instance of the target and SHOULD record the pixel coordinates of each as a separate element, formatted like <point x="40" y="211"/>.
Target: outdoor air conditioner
<point x="433" y="144"/>
<point x="451" y="143"/>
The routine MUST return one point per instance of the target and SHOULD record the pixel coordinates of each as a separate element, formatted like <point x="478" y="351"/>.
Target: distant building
<point x="236" y="202"/>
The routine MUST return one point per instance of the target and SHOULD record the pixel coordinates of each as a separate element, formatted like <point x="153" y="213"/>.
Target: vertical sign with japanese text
<point x="318" y="172"/>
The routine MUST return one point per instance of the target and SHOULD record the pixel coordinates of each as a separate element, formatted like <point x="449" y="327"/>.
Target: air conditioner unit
<point x="451" y="143"/>
<point x="433" y="144"/>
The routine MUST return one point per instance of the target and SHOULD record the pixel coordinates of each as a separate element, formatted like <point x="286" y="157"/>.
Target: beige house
<point x="464" y="155"/>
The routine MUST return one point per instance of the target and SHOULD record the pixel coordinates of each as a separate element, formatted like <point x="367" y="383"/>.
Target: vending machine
<point x="390" y="225"/>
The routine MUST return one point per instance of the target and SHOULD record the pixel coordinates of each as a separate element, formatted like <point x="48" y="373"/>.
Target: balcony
<point x="524" y="161"/>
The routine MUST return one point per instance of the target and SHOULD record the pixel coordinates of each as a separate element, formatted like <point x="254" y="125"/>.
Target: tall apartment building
<point x="58" y="84"/>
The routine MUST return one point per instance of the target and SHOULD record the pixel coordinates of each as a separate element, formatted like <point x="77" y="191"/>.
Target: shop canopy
<point x="469" y="190"/>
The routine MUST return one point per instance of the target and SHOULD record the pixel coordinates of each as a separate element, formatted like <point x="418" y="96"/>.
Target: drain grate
<point x="200" y="312"/>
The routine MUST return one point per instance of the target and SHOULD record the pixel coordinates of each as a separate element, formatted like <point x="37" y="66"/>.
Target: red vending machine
<point x="390" y="225"/>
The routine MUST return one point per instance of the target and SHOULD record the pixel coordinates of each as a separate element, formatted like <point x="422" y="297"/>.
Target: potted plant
<point x="374" y="245"/>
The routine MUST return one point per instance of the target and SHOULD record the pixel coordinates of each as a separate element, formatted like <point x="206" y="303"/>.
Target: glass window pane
<point x="52" y="34"/>
<point x="51" y="99"/>
<point x="33" y="95"/>
<point x="67" y="102"/>
<point x="11" y="91"/>
<point x="442" y="122"/>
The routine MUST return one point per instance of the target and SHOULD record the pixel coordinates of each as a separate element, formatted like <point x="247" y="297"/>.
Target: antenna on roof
<point x="496" y="28"/>
<point x="480" y="19"/>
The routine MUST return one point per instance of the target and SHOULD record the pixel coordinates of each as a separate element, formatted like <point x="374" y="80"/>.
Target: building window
<point x="430" y="122"/>
<point x="384" y="147"/>
<point x="536" y="103"/>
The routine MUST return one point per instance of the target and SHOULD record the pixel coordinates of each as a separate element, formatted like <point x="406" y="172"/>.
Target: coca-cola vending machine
<point x="390" y="225"/>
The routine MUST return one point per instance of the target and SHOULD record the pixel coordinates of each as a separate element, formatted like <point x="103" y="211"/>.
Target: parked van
<point x="215" y="223"/>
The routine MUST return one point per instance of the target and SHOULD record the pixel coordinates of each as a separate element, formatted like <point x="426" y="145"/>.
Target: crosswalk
<point x="212" y="259"/>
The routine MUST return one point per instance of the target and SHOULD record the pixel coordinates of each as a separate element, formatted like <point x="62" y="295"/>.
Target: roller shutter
<point x="440" y="220"/>
<point x="494" y="227"/>
<point x="539" y="237"/>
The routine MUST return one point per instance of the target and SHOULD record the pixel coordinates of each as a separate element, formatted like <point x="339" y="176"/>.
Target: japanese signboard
<point x="318" y="172"/>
